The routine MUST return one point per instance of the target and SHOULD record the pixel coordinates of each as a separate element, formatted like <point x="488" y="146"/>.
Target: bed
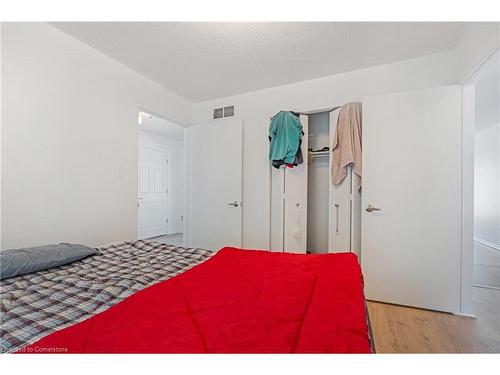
<point x="145" y="297"/>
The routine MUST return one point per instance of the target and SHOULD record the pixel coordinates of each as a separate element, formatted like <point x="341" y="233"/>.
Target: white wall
<point x="255" y="108"/>
<point x="61" y="97"/>
<point x="69" y="124"/>
<point x="177" y="178"/>
<point x="486" y="183"/>
<point x="479" y="41"/>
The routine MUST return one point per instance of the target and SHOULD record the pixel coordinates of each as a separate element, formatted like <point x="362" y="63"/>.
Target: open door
<point x="411" y="231"/>
<point x="215" y="184"/>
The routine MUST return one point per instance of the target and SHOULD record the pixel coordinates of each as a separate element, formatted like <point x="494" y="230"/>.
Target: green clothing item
<point x="285" y="133"/>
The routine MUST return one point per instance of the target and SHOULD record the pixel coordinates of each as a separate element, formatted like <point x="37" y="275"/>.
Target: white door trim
<point x="468" y="125"/>
<point x="466" y="264"/>
<point x="186" y="184"/>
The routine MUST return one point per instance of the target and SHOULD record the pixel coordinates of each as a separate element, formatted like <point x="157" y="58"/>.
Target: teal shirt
<point x="285" y="133"/>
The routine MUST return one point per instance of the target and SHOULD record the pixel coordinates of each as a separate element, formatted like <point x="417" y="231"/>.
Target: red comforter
<point x="238" y="301"/>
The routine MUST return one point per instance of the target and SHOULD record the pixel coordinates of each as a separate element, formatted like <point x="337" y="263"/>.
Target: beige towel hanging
<point x="346" y="148"/>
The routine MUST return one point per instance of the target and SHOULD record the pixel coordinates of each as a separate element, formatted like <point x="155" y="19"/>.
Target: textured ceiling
<point x="202" y="61"/>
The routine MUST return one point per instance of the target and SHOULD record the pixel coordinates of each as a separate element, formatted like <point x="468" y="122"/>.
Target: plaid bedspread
<point x="37" y="304"/>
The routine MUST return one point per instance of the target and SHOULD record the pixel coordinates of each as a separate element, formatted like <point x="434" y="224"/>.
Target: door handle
<point x="336" y="217"/>
<point x="370" y="208"/>
<point x="234" y="204"/>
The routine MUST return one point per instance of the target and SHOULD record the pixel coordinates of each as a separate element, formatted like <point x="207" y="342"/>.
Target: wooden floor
<point x="399" y="329"/>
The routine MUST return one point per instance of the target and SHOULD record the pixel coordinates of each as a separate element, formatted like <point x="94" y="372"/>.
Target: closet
<point x="309" y="213"/>
<point x="416" y="190"/>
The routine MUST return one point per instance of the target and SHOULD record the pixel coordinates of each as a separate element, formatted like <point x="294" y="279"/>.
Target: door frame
<point x="468" y="127"/>
<point x="136" y="111"/>
<point x="466" y="274"/>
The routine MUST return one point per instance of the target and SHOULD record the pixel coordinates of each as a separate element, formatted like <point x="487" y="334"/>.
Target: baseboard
<point x="466" y="315"/>
<point x="487" y="243"/>
<point x="486" y="286"/>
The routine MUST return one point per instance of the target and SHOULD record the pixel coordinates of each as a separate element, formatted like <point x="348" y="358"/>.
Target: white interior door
<point x="152" y="193"/>
<point x="412" y="150"/>
<point x="215" y="184"/>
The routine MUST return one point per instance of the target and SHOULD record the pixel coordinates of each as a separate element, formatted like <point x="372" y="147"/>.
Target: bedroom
<point x="76" y="98"/>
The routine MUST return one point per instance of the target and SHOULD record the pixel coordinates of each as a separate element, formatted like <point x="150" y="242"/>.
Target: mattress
<point x="37" y="304"/>
<point x="237" y="301"/>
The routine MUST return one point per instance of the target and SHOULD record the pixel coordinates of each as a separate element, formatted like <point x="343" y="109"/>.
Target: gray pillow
<point x="17" y="262"/>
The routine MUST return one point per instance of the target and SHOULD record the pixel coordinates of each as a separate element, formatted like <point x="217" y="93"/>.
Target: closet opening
<point x="311" y="211"/>
<point x="333" y="209"/>
<point x="318" y="182"/>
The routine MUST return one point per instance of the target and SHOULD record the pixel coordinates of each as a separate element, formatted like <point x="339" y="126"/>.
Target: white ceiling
<point x="202" y="61"/>
<point x="161" y="127"/>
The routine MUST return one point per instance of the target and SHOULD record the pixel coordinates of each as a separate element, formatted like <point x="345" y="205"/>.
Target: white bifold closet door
<point x="344" y="213"/>
<point x="215" y="153"/>
<point x="339" y="202"/>
<point x="289" y="204"/>
<point x="412" y="173"/>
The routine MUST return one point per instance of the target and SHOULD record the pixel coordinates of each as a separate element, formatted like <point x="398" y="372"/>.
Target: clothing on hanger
<point x="346" y="148"/>
<point x="285" y="135"/>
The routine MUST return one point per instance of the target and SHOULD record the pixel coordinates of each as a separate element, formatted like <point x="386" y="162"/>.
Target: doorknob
<point x="370" y="208"/>
<point x="234" y="204"/>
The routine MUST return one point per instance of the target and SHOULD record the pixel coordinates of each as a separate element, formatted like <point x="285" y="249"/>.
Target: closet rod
<point x="319" y="154"/>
